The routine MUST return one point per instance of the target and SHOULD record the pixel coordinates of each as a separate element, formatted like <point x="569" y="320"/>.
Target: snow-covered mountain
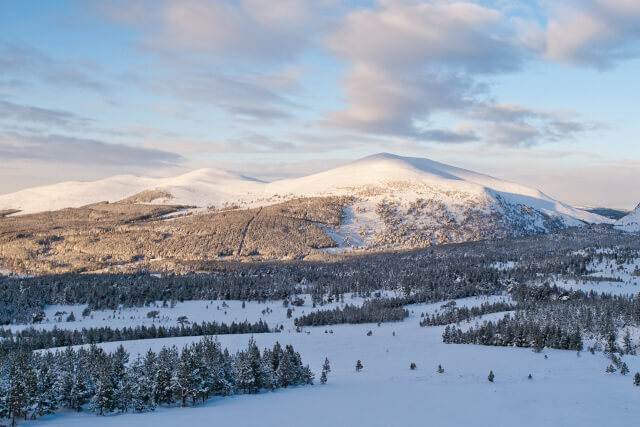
<point x="393" y="201"/>
<point x="630" y="222"/>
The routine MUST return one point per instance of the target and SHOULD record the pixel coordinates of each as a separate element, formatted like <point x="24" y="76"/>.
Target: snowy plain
<point x="566" y="388"/>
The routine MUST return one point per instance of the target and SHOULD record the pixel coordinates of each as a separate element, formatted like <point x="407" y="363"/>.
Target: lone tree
<point x="624" y="370"/>
<point x="153" y="314"/>
<point x="530" y="376"/>
<point x="359" y="366"/>
<point x="326" y="368"/>
<point x="491" y="377"/>
<point x="636" y="379"/>
<point x="183" y="320"/>
<point x="440" y="369"/>
<point x="412" y="366"/>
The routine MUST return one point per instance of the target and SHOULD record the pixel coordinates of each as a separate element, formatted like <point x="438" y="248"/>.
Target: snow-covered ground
<point x="566" y="389"/>
<point x="272" y="312"/>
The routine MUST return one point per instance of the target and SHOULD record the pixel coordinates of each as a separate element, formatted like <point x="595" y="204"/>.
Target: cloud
<point x="408" y="60"/>
<point x="19" y="61"/>
<point x="517" y="126"/>
<point x="597" y="33"/>
<point x="448" y="136"/>
<point x="65" y="149"/>
<point x="405" y="34"/>
<point x="251" y="30"/>
<point x="238" y="96"/>
<point x="38" y="115"/>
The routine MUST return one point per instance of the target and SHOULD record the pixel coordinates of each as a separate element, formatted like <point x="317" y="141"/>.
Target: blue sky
<point x="539" y="92"/>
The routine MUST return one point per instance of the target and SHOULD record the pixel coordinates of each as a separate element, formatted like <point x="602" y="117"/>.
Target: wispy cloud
<point x="65" y="149"/>
<point x="38" y="115"/>
<point x="19" y="61"/>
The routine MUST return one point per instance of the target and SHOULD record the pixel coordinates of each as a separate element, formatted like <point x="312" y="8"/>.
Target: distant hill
<point x="381" y="202"/>
<point x="614" y="214"/>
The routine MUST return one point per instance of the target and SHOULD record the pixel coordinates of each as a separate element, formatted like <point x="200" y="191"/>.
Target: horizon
<point x="530" y="92"/>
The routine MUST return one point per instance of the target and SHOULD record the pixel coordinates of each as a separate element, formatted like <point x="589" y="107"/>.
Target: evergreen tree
<point x="440" y="369"/>
<point x="142" y="384"/>
<point x="18" y="396"/>
<point x="167" y="361"/>
<point x="121" y="381"/>
<point x="103" y="400"/>
<point x="636" y="379"/>
<point x="491" y="377"/>
<point x="624" y="370"/>
<point x="326" y="368"/>
<point x="46" y="399"/>
<point x="284" y="372"/>
<point x="359" y="366"/>
<point x="307" y="375"/>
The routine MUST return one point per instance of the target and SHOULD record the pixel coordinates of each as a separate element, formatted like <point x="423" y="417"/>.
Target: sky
<point x="544" y="93"/>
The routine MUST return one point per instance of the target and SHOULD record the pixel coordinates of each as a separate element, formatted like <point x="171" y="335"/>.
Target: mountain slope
<point x="202" y="187"/>
<point x="630" y="222"/>
<point x="377" y="203"/>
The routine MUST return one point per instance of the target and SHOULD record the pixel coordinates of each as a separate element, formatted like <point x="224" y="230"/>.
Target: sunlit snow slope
<point x="393" y="201"/>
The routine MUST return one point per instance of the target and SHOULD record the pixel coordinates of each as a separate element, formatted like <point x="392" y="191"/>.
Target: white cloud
<point x="409" y="59"/>
<point x="597" y="33"/>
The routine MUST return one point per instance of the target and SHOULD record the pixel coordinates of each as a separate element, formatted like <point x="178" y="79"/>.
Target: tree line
<point x="34" y="384"/>
<point x="37" y="339"/>
<point x="432" y="275"/>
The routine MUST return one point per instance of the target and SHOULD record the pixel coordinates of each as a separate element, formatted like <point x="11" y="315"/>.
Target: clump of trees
<point x="34" y="384"/>
<point x="516" y="331"/>
<point x="453" y="314"/>
<point x="376" y="310"/>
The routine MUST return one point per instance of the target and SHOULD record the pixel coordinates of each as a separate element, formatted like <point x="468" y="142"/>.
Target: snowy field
<point x="566" y="388"/>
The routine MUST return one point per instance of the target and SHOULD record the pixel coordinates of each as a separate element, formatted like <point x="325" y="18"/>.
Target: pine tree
<point x="624" y="369"/>
<point x="307" y="375"/>
<point x="245" y="376"/>
<point x="359" y="366"/>
<point x="46" y="401"/>
<point x="628" y="344"/>
<point x="167" y="361"/>
<point x="183" y="383"/>
<point x="491" y="377"/>
<point x="122" y="384"/>
<point x="18" y="397"/>
<point x="412" y="366"/>
<point x="142" y="386"/>
<point x="104" y="400"/>
<point x="326" y="368"/>
<point x="440" y="369"/>
<point x="284" y="371"/>
<point x="636" y="379"/>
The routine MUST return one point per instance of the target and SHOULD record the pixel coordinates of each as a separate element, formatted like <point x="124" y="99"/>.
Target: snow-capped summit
<point x="201" y="187"/>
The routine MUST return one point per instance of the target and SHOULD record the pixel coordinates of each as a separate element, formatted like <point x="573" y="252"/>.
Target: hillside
<point x="630" y="222"/>
<point x="381" y="202"/>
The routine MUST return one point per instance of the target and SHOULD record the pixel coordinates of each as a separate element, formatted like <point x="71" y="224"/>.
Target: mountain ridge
<point x="382" y="202"/>
<point x="216" y="187"/>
